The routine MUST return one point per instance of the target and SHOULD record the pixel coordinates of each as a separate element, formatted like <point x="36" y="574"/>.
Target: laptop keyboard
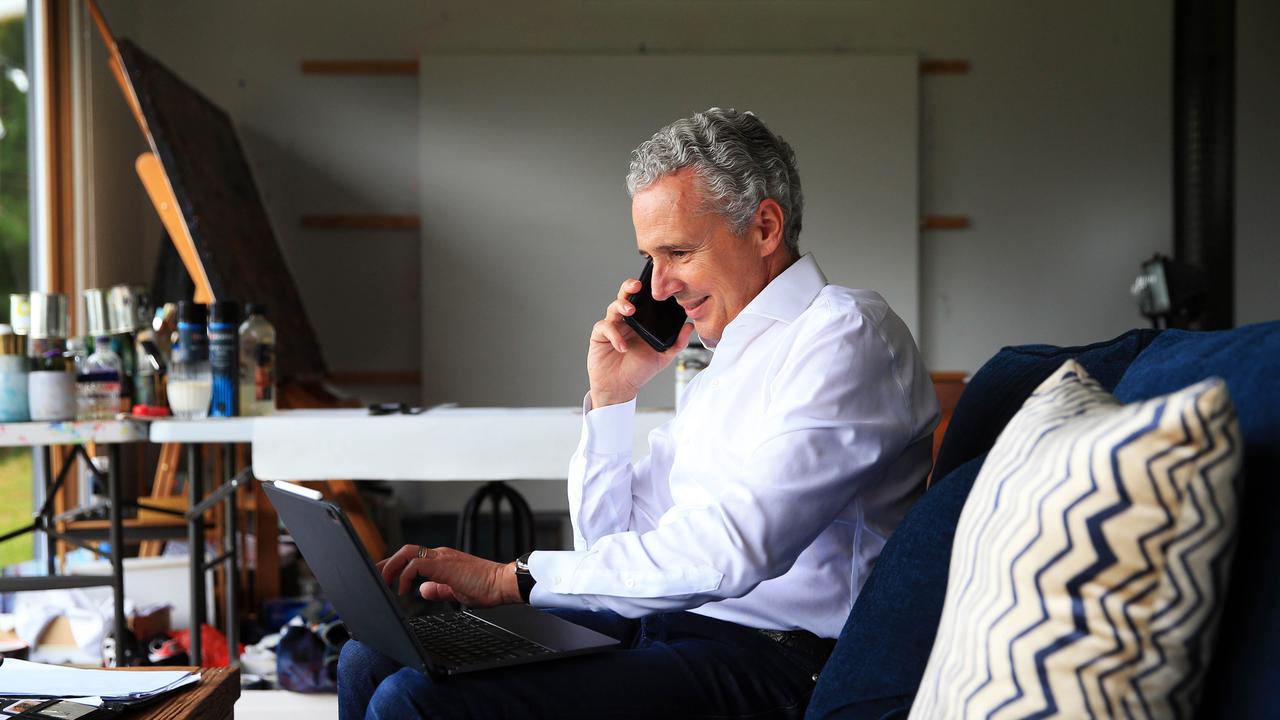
<point x="464" y="640"/>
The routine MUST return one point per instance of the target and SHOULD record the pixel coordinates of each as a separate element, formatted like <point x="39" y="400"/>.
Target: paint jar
<point x="51" y="389"/>
<point x="13" y="377"/>
<point x="51" y="384"/>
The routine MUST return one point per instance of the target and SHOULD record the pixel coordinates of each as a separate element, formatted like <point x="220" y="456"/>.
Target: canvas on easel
<point x="201" y="186"/>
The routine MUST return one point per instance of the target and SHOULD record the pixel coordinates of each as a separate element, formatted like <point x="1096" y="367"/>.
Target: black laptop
<point x="449" y="642"/>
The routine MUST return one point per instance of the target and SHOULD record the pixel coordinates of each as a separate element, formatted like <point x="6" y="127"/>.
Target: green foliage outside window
<point x="15" y="274"/>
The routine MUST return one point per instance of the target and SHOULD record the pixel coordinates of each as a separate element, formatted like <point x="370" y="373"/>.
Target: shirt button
<point x="630" y="582"/>
<point x="555" y="580"/>
<point x="715" y="383"/>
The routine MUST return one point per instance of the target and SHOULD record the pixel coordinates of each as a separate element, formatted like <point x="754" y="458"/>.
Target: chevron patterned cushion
<point x="1090" y="558"/>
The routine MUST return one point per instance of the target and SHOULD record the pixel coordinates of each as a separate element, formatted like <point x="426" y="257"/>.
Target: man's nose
<point x="664" y="282"/>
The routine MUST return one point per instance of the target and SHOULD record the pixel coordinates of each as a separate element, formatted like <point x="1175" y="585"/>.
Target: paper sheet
<point x="19" y="678"/>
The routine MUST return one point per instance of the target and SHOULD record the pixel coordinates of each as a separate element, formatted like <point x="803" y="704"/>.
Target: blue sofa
<point x="881" y="655"/>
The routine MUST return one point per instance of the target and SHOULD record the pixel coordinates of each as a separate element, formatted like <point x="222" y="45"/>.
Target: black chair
<point x="521" y="536"/>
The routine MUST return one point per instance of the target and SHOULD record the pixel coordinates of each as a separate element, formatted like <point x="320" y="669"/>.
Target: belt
<point x="803" y="642"/>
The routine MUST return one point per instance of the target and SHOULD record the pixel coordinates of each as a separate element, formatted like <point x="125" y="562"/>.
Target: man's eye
<point x="679" y="253"/>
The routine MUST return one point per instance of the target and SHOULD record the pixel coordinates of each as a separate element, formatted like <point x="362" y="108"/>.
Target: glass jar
<point x="190" y="389"/>
<point x="689" y="362"/>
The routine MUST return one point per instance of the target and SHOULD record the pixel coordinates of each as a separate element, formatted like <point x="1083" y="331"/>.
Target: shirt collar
<point x="787" y="295"/>
<point x="784" y="298"/>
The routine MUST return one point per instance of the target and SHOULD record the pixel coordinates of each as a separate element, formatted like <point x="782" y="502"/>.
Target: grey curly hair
<point x="738" y="160"/>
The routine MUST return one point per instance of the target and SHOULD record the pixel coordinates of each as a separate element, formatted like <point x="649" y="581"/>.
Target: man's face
<point x="697" y="258"/>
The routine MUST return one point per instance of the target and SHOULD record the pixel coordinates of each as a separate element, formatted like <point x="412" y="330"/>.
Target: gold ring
<point x="422" y="551"/>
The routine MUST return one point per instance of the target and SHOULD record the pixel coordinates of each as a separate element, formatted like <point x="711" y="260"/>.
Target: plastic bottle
<point x="257" y="363"/>
<point x="98" y="382"/>
<point x="224" y="358"/>
<point x="13" y="377"/>
<point x="77" y="353"/>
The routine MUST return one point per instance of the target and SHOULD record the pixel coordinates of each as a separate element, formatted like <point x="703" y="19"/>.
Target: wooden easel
<point x="293" y="394"/>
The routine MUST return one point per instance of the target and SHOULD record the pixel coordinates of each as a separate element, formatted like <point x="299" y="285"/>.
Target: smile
<point x="692" y="309"/>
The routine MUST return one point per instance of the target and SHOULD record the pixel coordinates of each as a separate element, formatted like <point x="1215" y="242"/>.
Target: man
<point x="728" y="559"/>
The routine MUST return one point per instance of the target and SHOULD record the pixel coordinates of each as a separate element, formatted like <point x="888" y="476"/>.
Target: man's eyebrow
<point x="672" y="247"/>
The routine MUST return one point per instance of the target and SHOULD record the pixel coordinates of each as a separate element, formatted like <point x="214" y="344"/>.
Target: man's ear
<point x="768" y="225"/>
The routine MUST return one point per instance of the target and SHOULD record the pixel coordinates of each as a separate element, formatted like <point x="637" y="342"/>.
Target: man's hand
<point x="451" y="575"/>
<point x="619" y="362"/>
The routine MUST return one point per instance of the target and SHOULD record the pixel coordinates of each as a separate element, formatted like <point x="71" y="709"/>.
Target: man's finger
<point x="390" y="567"/>
<point x="605" y="331"/>
<point x="615" y="337"/>
<point x="437" y="591"/>
<point x="630" y="286"/>
<point x="682" y="340"/>
<point x="412" y="571"/>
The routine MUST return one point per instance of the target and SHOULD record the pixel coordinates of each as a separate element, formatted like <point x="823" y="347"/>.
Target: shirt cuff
<point x="608" y="430"/>
<point x="550" y="570"/>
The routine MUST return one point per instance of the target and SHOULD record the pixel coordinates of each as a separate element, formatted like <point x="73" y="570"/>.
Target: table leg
<point x="231" y="572"/>
<point x="123" y="647"/>
<point x="51" y="545"/>
<point x="195" y="542"/>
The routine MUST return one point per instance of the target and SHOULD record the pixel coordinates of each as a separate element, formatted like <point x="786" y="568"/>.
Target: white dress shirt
<point x="767" y="499"/>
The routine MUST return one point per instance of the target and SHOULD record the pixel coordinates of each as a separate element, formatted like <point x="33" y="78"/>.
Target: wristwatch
<point x="524" y="579"/>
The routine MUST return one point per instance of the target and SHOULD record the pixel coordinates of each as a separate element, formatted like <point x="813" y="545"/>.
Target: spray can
<point x="193" y="338"/>
<point x="224" y="358"/>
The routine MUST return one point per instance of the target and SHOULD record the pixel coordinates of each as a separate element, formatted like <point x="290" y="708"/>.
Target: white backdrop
<point x="526" y="222"/>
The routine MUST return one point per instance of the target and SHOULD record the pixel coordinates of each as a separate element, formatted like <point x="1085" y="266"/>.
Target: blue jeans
<point x="671" y="665"/>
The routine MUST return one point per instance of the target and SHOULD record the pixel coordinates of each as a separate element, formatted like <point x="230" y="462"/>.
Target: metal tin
<point x="122" y="309"/>
<point x="95" y="312"/>
<point x="48" y="315"/>
<point x="142" y="309"/>
<point x="20" y="313"/>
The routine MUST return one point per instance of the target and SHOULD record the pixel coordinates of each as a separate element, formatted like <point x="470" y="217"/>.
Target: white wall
<point x="1056" y="144"/>
<point x="527" y="225"/>
<point x="1257" y="161"/>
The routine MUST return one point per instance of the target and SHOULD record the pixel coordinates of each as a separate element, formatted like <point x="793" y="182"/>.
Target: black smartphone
<point x="658" y="323"/>
<point x="44" y="709"/>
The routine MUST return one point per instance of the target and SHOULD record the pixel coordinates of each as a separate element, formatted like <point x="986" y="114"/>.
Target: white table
<point x="193" y="433"/>
<point x="208" y="430"/>
<point x="442" y="444"/>
<point x="111" y="433"/>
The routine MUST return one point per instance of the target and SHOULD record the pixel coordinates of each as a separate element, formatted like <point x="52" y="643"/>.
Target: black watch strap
<point x="524" y="579"/>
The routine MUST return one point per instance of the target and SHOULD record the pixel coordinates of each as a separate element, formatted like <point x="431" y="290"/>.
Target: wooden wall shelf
<point x="361" y="222"/>
<point x="944" y="67"/>
<point x="359" y="67"/>
<point x="410" y="67"/>
<point x="376" y="377"/>
<point x="944" y="222"/>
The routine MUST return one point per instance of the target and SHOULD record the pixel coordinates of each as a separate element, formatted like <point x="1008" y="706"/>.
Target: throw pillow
<point x="1090" y="558"/>
<point x="1243" y="679"/>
